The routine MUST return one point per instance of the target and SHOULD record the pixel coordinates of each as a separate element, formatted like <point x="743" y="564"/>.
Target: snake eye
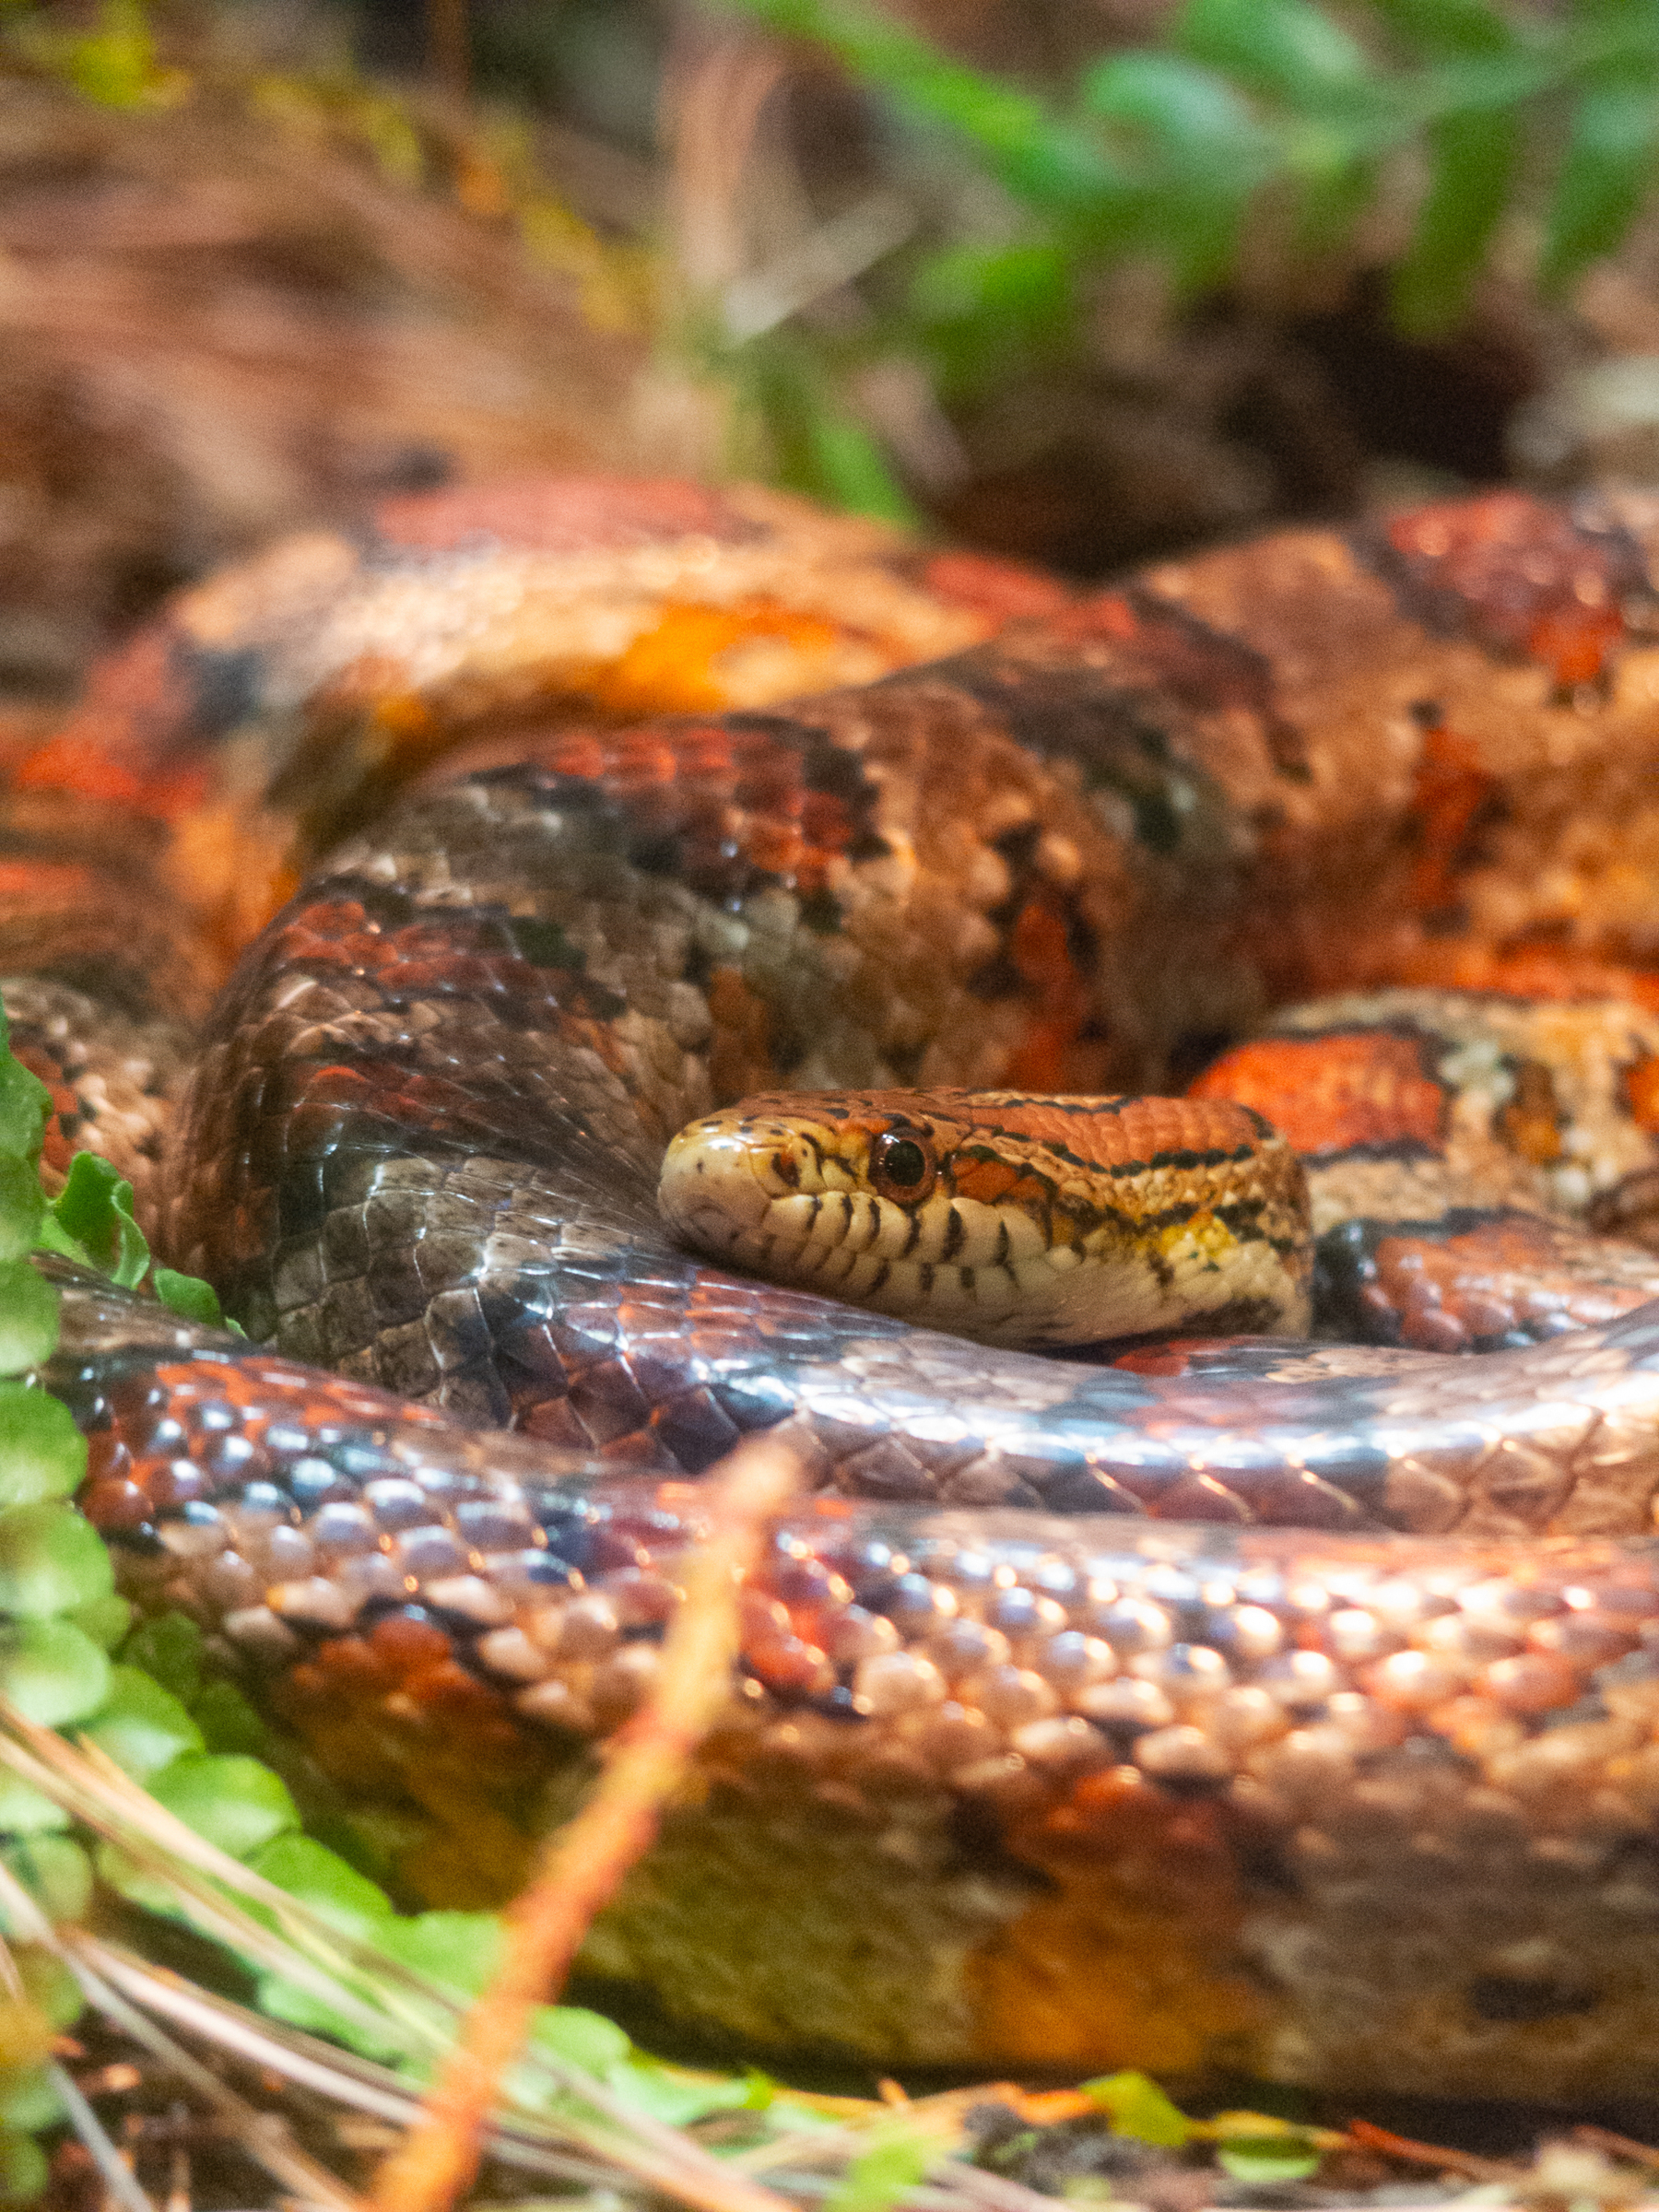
<point x="903" y="1168"/>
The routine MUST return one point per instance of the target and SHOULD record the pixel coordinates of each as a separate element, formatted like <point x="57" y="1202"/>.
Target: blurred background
<point x="1081" y="280"/>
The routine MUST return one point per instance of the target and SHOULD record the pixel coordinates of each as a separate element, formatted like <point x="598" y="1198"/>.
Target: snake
<point x="1216" y="1696"/>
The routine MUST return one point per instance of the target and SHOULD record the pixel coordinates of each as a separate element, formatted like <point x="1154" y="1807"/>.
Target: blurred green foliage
<point x="1275" y="109"/>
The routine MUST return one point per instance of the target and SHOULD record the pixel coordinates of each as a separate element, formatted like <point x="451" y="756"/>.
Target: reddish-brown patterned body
<point x="993" y="1787"/>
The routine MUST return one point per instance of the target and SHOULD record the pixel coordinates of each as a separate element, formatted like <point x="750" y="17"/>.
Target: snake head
<point x="1002" y="1216"/>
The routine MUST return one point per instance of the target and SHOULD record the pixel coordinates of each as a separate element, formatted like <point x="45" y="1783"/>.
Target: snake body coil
<point x="1019" y="1769"/>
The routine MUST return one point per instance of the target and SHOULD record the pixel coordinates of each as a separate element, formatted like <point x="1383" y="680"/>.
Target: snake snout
<point x="724" y="1177"/>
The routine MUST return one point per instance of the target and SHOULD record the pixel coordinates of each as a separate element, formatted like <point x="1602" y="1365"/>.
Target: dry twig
<point x="583" y="1866"/>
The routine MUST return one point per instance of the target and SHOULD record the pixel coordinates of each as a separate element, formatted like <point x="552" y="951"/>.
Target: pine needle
<point x="584" y="1864"/>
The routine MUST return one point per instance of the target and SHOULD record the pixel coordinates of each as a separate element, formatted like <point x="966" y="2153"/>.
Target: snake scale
<point x="1258" y="1707"/>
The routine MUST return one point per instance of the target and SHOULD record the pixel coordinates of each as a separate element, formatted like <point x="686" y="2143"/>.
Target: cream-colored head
<point x="1009" y="1218"/>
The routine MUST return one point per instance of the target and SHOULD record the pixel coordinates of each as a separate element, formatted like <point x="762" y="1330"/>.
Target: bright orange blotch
<point x="986" y="1180"/>
<point x="675" y="667"/>
<point x="394" y="1712"/>
<point x="1537" y="972"/>
<point x="1327" y="1093"/>
<point x="1046" y="1058"/>
<point x="1131" y="1957"/>
<point x="1641" y="1094"/>
<point x="1577" y="641"/>
<point x="1531" y="1122"/>
<point x="1004" y="591"/>
<point x="1450" y="790"/>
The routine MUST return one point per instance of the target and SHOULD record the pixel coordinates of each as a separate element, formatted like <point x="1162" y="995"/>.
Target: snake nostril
<point x="787" y="1168"/>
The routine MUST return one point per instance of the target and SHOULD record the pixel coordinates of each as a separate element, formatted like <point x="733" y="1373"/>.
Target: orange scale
<point x="108" y="1458"/>
<point x="1325" y="1094"/>
<point x="1117" y="1800"/>
<point x="787" y="1663"/>
<point x="408" y="1645"/>
<point x="1103" y="616"/>
<point x="778" y="852"/>
<point x="448" y="1690"/>
<point x="111" y="1503"/>
<point x="497" y="1743"/>
<point x="1533" y="1683"/>
<point x="349" y="1666"/>
<point x="334" y="1085"/>
<point x="81" y="765"/>
<point x="1577" y="641"/>
<point x="1641" y="1094"/>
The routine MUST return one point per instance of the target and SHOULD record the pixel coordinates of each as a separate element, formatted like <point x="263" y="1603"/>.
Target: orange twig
<point x="1616" y="2146"/>
<point x="1429" y="2154"/>
<point x="582" y="1866"/>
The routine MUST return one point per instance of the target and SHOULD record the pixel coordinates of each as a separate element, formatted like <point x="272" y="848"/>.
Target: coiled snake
<point x="1269" y="1707"/>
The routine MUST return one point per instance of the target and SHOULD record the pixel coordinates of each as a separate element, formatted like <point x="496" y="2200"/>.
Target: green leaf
<point x="1036" y="154"/>
<point x="168" y="1649"/>
<point x="985" y="313"/>
<point x="1485" y="69"/>
<point x="190" y="1297"/>
<point x="850" y="469"/>
<point x="1202" y="152"/>
<point x="48" y="1984"/>
<point x="52" y="1673"/>
<point x="25" y="1811"/>
<point x="679" y="2096"/>
<point x="820" y="447"/>
<point x="458" y="1950"/>
<point x="116" y="65"/>
<point x="319" y="1877"/>
<point x="143" y="1727"/>
<point x="227" y="1719"/>
<point x="95" y="1208"/>
<point x="28" y="1317"/>
<point x="56" y="1872"/>
<point x="1606" y="175"/>
<point x="43" y="1453"/>
<point x="22" y="1204"/>
<point x="25" y="1106"/>
<point x="1286" y="48"/>
<point x="24" y="2170"/>
<point x="1435" y="28"/>
<point x="1137" y="2107"/>
<point x="53" y="1237"/>
<point x="236" y="1802"/>
<point x="582" y="2039"/>
<point x="30" y="2100"/>
<point x="105" y="1619"/>
<point x="897" y="2159"/>
<point x="1268" y="2157"/>
<point x="51" y="1558"/>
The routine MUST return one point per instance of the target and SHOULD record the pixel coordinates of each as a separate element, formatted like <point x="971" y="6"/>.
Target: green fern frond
<point x="1161" y="152"/>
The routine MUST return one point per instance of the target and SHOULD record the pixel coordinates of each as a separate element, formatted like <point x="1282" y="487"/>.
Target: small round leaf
<point x="43" y="1453"/>
<point x="52" y="1673"/>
